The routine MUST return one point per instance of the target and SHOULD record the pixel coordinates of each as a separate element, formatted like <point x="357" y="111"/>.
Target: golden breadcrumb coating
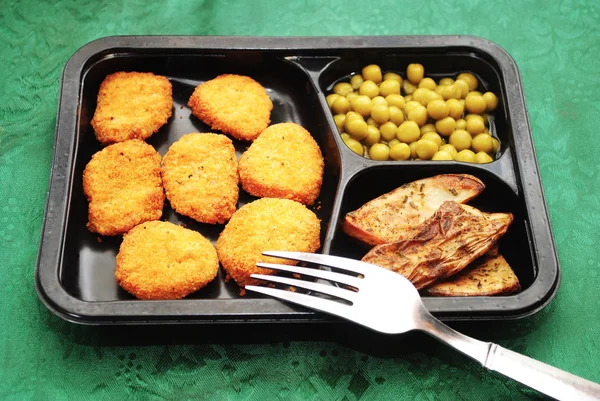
<point x="265" y="224"/>
<point x="234" y="104"/>
<point x="160" y="260"/>
<point x="123" y="187"/>
<point x="200" y="177"/>
<point x="132" y="105"/>
<point x="283" y="162"/>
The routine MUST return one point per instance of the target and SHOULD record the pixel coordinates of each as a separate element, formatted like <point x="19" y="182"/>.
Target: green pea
<point x="341" y="105"/>
<point x="451" y="150"/>
<point x="356" y="81"/>
<point x="393" y="142"/>
<point x="408" y="132"/>
<point x="400" y="151"/>
<point x="414" y="73"/>
<point x="358" y="129"/>
<point x="351" y="96"/>
<point x="396" y="115"/>
<point x="339" y="121"/>
<point x="395" y="100"/>
<point x="482" y="158"/>
<point x="342" y="88"/>
<point x="380" y="152"/>
<point x="362" y="105"/>
<point x="496" y="145"/>
<point x="465" y="155"/>
<point x="380" y="113"/>
<point x="389" y="87"/>
<point x="355" y="146"/>
<point x="392" y="75"/>
<point x="388" y="131"/>
<point x="331" y="98"/>
<point x="426" y="149"/>
<point x="445" y="126"/>
<point x="482" y="143"/>
<point x="369" y="88"/>
<point x="379" y="100"/>
<point x="461" y="140"/>
<point x="373" y="136"/>
<point x="433" y="137"/>
<point x="441" y="155"/>
<point x="372" y="72"/>
<point x="491" y="101"/>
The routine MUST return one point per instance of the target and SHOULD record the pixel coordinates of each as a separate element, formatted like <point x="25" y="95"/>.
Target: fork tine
<point x="308" y="285"/>
<point x="312" y="272"/>
<point x="310" y="301"/>
<point x="354" y="266"/>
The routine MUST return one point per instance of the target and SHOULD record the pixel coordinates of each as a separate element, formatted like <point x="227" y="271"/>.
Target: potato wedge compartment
<point x="497" y="196"/>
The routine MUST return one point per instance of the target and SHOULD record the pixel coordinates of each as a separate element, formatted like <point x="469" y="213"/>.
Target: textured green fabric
<point x="555" y="44"/>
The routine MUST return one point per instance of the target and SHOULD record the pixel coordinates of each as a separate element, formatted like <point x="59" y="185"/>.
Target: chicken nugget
<point x="123" y="187"/>
<point x="262" y="225"/>
<point x="132" y="105"/>
<point x="160" y="260"/>
<point x="200" y="177"/>
<point x="234" y="104"/>
<point x="283" y="162"/>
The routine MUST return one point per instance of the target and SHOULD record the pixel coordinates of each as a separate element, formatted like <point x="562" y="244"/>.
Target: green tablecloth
<point x="556" y="46"/>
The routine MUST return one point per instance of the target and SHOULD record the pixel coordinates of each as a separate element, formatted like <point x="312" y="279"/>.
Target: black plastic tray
<point x="75" y="271"/>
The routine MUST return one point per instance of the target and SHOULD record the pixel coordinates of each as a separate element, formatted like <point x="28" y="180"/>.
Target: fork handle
<point x="540" y="376"/>
<point x="544" y="378"/>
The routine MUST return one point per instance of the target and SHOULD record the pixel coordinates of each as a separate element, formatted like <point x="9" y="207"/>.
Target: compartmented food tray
<point x="75" y="270"/>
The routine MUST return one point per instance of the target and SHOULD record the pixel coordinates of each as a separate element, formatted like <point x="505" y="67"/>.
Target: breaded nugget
<point x="234" y="104"/>
<point x="200" y="177"/>
<point x="132" y="105"/>
<point x="123" y="186"/>
<point x="160" y="260"/>
<point x="265" y="224"/>
<point x="283" y="162"/>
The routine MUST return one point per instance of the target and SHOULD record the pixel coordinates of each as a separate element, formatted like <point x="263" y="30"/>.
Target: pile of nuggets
<point x="126" y="184"/>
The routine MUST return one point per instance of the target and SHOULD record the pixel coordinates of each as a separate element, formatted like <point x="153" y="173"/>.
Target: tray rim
<point x="64" y="305"/>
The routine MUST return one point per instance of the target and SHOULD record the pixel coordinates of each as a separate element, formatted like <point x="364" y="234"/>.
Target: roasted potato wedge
<point x="392" y="216"/>
<point x="489" y="275"/>
<point x="443" y="245"/>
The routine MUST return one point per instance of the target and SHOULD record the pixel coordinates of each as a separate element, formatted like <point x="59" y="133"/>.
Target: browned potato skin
<point x="394" y="215"/>
<point x="132" y="105"/>
<point x="444" y="244"/>
<point x="494" y="250"/>
<point x="489" y="275"/>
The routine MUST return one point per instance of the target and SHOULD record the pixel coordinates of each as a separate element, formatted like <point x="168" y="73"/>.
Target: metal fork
<point x="387" y="302"/>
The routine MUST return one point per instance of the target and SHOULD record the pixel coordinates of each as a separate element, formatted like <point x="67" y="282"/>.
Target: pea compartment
<point x="422" y="101"/>
<point x="437" y="66"/>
